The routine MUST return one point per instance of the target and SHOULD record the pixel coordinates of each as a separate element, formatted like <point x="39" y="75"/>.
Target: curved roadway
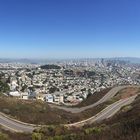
<point x="106" y="113"/>
<point x="107" y="97"/>
<point x="14" y="125"/>
<point x="18" y="126"/>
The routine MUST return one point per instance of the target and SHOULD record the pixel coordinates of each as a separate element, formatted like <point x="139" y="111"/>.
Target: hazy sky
<point x="69" y="28"/>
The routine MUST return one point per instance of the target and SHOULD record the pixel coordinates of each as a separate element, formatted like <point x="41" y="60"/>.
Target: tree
<point x="3" y="136"/>
<point x="37" y="136"/>
<point x="4" y="87"/>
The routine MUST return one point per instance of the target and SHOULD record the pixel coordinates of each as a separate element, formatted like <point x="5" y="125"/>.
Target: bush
<point x="37" y="136"/>
<point x="6" y="111"/>
<point x="3" y="136"/>
<point x="4" y="87"/>
<point x="92" y="130"/>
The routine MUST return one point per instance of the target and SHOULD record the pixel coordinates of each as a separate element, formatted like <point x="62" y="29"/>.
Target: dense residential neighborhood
<point x="66" y="82"/>
<point x="69" y="69"/>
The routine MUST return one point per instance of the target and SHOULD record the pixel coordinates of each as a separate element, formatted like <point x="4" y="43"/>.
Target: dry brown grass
<point x="127" y="92"/>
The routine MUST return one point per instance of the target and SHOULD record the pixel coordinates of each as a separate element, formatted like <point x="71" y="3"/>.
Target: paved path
<point x="106" y="113"/>
<point x="17" y="126"/>
<point x="14" y="125"/>
<point x="108" y="96"/>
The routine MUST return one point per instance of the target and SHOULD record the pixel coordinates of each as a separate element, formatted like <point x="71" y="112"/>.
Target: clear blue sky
<point x="69" y="28"/>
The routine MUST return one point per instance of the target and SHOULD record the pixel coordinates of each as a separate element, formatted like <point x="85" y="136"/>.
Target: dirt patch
<point x="128" y="92"/>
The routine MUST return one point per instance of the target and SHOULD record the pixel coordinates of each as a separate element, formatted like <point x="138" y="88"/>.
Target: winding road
<point x="17" y="126"/>
<point x="107" y="97"/>
<point x="106" y="113"/>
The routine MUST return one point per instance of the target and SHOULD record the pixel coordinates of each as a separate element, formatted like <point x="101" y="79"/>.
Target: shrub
<point x="37" y="136"/>
<point x="92" y="130"/>
<point x="3" y="136"/>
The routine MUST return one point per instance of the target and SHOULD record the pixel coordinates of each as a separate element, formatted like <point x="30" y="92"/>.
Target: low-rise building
<point x="14" y="94"/>
<point x="49" y="98"/>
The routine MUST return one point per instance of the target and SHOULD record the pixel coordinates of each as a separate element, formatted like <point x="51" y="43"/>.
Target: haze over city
<point x="69" y="69"/>
<point x="69" y="28"/>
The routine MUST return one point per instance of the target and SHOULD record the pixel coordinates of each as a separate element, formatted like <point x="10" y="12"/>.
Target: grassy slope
<point x="93" y="98"/>
<point x="123" y="126"/>
<point x="32" y="111"/>
<point x="37" y="112"/>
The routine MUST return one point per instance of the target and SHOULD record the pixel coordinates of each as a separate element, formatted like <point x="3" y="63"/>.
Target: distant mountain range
<point x="38" y="61"/>
<point x="130" y="59"/>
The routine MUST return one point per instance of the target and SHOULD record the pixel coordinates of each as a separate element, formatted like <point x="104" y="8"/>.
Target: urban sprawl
<point x="67" y="82"/>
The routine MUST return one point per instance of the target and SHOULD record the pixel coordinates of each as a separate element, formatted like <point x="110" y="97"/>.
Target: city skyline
<point x="69" y="29"/>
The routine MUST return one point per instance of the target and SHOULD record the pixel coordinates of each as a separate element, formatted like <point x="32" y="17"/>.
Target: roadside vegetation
<point x="125" y="125"/>
<point x="124" y="93"/>
<point x="3" y="136"/>
<point x="127" y="92"/>
<point x="92" y="98"/>
<point x="7" y="135"/>
<point x="38" y="112"/>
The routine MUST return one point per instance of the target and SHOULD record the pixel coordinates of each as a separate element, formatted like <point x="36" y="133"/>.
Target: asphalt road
<point x="108" y="96"/>
<point x="106" y="113"/>
<point x="16" y="126"/>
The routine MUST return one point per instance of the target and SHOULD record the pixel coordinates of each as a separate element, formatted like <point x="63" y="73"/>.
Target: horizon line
<point x="49" y="58"/>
